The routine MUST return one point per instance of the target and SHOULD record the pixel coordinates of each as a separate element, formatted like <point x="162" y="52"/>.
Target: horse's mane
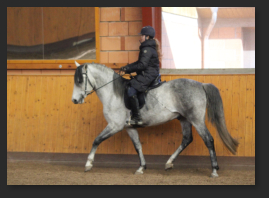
<point x="118" y="84"/>
<point x="78" y="78"/>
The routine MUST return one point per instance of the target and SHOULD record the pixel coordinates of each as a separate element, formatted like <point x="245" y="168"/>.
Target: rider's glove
<point x="123" y="68"/>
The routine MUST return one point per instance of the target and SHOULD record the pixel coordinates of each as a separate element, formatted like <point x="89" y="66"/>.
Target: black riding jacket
<point x="147" y="66"/>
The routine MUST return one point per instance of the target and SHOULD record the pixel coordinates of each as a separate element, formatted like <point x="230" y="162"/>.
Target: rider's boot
<point x="136" y="116"/>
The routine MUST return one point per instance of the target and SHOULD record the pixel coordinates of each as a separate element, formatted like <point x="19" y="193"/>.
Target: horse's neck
<point x="101" y="80"/>
<point x="104" y="85"/>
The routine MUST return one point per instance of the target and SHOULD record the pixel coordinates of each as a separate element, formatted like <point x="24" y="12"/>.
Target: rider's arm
<point x="141" y="64"/>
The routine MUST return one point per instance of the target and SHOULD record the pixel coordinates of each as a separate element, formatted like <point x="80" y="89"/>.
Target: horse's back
<point x="183" y="86"/>
<point x="184" y="82"/>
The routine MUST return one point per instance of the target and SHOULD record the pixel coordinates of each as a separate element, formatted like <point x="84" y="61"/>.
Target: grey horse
<point x="182" y="99"/>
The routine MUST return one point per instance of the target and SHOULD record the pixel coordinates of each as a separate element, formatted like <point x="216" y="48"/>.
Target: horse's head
<point x="84" y="83"/>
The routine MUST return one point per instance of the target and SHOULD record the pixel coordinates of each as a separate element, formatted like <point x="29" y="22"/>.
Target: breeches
<point x="131" y="91"/>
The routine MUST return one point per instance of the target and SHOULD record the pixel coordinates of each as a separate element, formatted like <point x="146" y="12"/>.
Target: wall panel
<point x="42" y="118"/>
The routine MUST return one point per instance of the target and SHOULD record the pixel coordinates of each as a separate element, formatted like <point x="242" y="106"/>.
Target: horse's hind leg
<point x="209" y="142"/>
<point x="187" y="139"/>
<point x="138" y="147"/>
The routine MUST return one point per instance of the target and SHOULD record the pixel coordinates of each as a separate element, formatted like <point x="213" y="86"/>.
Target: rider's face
<point x="143" y="38"/>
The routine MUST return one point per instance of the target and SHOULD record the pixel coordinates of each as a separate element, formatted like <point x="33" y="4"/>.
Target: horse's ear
<point x="86" y="66"/>
<point x="77" y="64"/>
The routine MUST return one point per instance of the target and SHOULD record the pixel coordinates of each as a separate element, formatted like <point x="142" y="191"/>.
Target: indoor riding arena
<point x="49" y="137"/>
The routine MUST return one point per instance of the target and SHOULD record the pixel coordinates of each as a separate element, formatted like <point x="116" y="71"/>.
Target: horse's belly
<point x="152" y="118"/>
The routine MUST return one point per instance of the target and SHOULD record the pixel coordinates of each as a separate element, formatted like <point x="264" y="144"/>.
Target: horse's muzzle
<point x="75" y="101"/>
<point x="80" y="101"/>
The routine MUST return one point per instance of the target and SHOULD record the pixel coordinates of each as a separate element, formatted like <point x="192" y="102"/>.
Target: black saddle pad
<point x="141" y="96"/>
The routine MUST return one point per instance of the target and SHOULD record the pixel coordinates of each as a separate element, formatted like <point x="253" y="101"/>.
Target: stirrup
<point x="134" y="122"/>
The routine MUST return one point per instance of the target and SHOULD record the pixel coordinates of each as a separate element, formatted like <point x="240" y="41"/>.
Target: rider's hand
<point x="122" y="71"/>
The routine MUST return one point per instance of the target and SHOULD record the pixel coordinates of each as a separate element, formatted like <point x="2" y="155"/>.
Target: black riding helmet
<point x="148" y="31"/>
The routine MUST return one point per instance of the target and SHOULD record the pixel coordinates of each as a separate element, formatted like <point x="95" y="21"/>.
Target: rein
<point x="98" y="87"/>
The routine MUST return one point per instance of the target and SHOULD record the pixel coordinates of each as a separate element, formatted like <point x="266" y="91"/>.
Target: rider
<point x="147" y="69"/>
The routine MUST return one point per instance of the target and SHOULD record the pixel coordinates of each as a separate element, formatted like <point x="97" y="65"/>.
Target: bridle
<point x="88" y="79"/>
<point x="93" y="88"/>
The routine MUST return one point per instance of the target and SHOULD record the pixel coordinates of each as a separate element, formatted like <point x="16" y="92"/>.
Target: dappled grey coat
<point x="147" y="66"/>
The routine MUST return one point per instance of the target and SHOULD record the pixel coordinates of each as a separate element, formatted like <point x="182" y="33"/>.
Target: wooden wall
<point x="42" y="118"/>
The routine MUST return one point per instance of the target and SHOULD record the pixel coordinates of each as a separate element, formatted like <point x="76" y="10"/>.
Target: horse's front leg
<point x="138" y="147"/>
<point x="106" y="133"/>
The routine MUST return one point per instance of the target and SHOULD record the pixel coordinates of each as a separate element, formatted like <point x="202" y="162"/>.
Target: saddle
<point x="142" y="95"/>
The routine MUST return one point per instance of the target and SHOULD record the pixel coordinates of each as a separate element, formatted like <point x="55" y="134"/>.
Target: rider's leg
<point x="136" y="116"/>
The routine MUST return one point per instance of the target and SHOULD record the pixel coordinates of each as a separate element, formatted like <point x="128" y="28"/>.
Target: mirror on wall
<point x="49" y="33"/>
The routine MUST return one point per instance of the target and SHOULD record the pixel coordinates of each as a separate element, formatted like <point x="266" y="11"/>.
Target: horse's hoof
<point x="139" y="172"/>
<point x="214" y="175"/>
<point x="87" y="168"/>
<point x="168" y="166"/>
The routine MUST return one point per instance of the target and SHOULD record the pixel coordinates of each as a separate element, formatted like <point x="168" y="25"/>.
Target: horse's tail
<point x="215" y="115"/>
